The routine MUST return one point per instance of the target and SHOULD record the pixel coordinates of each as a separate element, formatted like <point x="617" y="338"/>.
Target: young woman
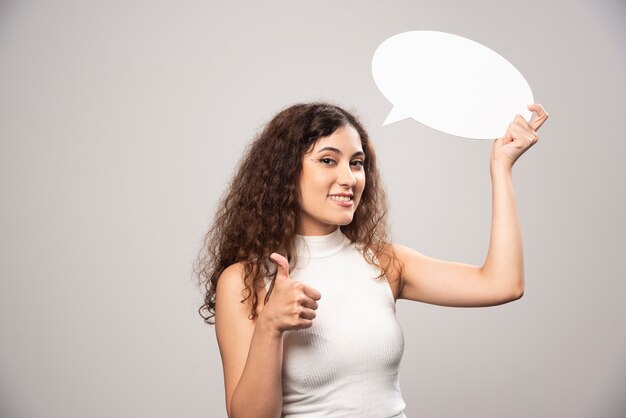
<point x="301" y="278"/>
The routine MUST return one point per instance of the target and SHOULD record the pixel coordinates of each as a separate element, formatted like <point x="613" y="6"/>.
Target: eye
<point x="357" y="163"/>
<point x="327" y="160"/>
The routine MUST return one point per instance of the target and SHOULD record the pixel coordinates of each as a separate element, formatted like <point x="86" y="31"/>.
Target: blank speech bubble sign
<point x="450" y="83"/>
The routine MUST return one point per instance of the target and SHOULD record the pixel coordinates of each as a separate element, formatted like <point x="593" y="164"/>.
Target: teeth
<point x="341" y="198"/>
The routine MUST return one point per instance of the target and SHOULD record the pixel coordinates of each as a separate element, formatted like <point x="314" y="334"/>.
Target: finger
<point x="305" y="323"/>
<point x="283" y="266"/>
<point x="306" y="313"/>
<point x="519" y="120"/>
<point x="307" y="302"/>
<point x="312" y="293"/>
<point x="542" y="115"/>
<point x="522" y="134"/>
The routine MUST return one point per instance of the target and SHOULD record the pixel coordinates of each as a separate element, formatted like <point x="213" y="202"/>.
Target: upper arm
<point x="233" y="328"/>
<point x="439" y="282"/>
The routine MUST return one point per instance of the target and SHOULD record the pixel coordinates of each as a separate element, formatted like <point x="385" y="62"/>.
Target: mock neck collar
<point x="314" y="246"/>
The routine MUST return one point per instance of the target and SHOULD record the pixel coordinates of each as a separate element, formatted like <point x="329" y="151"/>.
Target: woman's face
<point x="331" y="182"/>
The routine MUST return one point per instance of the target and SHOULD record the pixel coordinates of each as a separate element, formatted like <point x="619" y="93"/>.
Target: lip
<point x="343" y="204"/>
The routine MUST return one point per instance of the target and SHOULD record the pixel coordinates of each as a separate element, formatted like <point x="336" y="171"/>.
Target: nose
<point x="346" y="177"/>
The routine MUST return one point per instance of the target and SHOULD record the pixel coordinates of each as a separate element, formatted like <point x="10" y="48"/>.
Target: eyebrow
<point x="338" y="151"/>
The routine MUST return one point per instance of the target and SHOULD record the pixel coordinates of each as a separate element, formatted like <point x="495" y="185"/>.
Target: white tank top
<point x="346" y="364"/>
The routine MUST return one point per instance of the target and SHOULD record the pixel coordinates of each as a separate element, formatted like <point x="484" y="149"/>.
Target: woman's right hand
<point x="292" y="304"/>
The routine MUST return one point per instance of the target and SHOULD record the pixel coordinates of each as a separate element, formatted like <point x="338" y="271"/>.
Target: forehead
<point x="345" y="138"/>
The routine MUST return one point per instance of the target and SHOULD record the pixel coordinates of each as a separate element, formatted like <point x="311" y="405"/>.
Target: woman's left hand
<point x="520" y="135"/>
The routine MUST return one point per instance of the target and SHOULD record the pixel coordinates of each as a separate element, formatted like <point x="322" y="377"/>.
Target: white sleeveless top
<point x="346" y="364"/>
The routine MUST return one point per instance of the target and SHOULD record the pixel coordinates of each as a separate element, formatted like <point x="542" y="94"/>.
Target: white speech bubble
<point x="450" y="83"/>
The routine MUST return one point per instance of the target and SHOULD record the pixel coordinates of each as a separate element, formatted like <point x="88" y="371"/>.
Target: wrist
<point x="265" y="327"/>
<point x="500" y="167"/>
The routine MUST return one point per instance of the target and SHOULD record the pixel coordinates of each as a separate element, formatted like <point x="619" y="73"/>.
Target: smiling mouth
<point x="337" y="198"/>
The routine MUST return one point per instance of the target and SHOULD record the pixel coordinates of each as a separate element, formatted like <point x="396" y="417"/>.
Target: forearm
<point x="259" y="391"/>
<point x="505" y="259"/>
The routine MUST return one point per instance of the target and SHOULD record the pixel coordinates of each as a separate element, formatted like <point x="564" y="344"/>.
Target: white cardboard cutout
<point x="450" y="83"/>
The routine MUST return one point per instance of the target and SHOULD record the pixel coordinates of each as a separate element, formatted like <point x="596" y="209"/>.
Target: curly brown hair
<point x="259" y="212"/>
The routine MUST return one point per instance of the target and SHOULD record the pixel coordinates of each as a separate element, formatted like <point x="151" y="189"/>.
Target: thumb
<point x="283" y="266"/>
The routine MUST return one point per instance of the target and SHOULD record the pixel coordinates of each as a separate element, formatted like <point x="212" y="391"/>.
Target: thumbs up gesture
<point x="292" y="304"/>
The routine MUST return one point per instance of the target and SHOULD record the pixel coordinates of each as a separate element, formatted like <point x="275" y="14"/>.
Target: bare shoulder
<point x="231" y="281"/>
<point x="231" y="285"/>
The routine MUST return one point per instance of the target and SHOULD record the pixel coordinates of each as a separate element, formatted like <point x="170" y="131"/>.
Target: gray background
<point x="121" y="122"/>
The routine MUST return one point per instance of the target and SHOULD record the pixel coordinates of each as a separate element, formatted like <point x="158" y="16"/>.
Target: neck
<point x="316" y="231"/>
<point x="314" y="246"/>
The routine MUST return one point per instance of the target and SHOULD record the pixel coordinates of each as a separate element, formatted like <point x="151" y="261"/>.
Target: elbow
<point x="229" y="413"/>
<point x="510" y="295"/>
<point x="506" y="286"/>
<point x="240" y="408"/>
<point x="229" y="405"/>
<point x="506" y="291"/>
<point x="233" y="410"/>
<point x="516" y="292"/>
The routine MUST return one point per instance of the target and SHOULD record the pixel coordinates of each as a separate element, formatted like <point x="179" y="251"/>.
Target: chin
<point x="345" y="221"/>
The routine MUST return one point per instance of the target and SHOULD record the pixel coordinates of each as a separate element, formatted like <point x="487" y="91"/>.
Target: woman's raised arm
<point x="501" y="278"/>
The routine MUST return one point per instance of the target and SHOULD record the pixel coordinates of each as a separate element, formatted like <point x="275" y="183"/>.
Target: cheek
<point x="360" y="188"/>
<point x="312" y="188"/>
<point x="320" y="183"/>
<point x="361" y="182"/>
